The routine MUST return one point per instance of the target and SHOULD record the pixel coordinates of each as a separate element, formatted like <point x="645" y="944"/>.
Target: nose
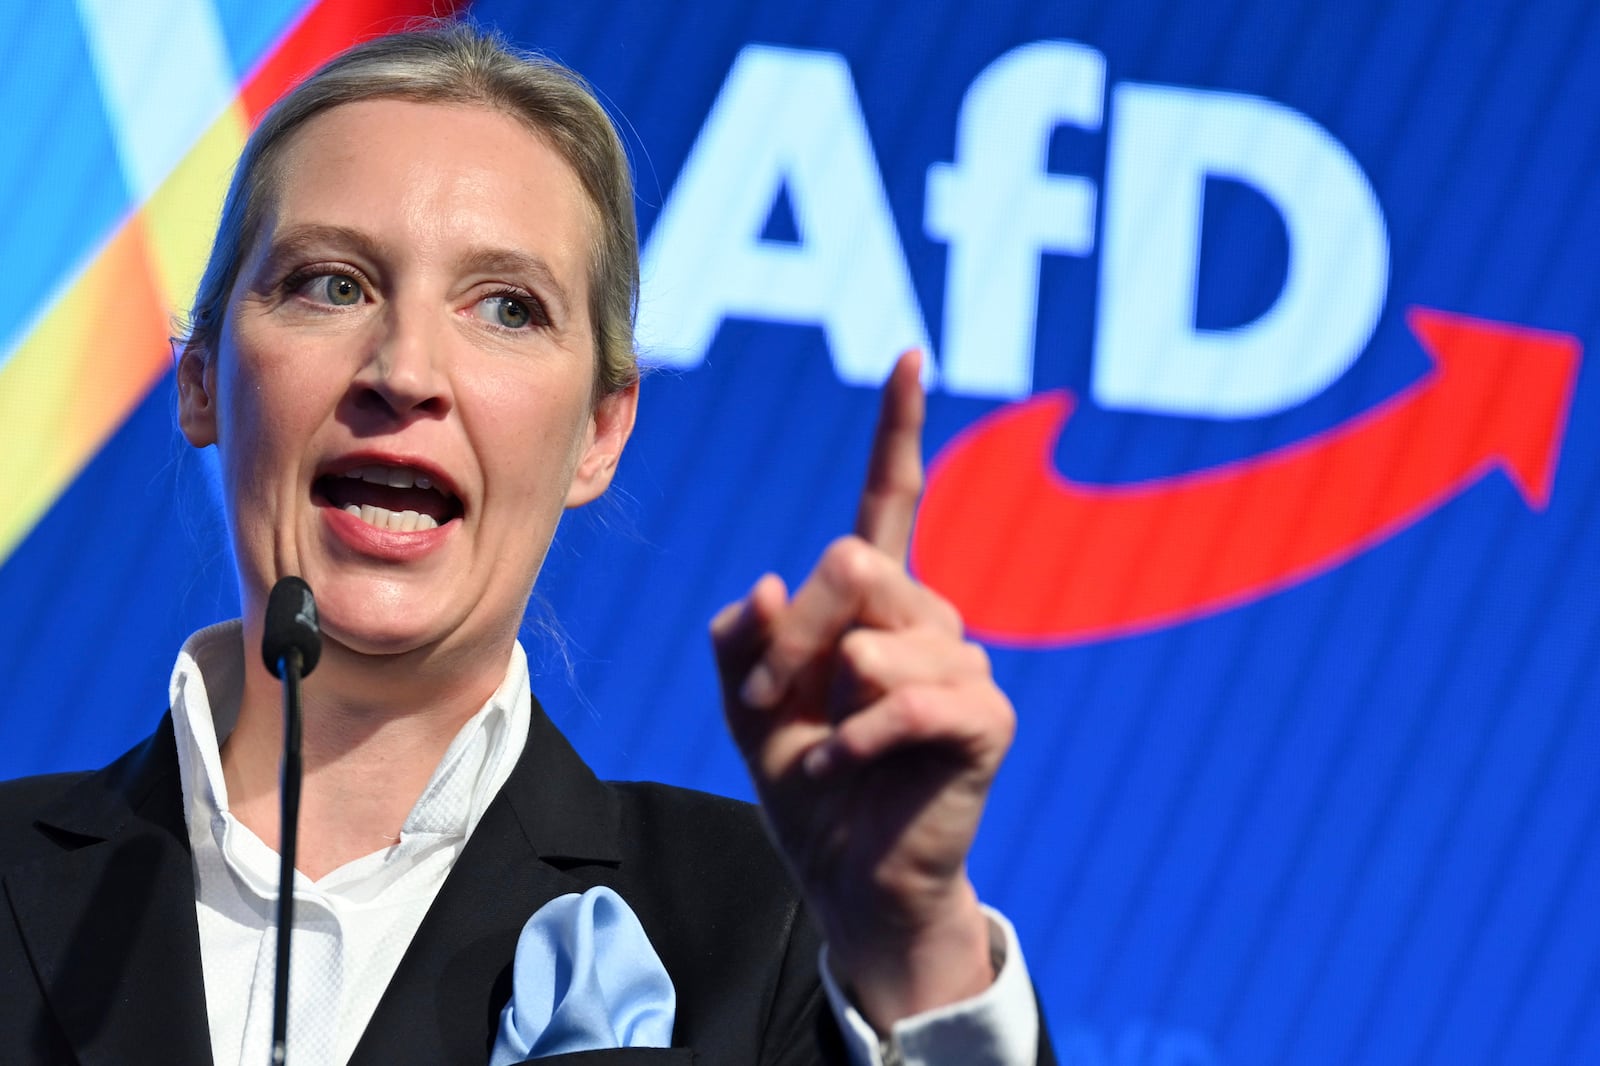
<point x="404" y="373"/>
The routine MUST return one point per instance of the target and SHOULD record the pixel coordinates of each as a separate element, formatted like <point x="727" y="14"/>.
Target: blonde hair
<point x="453" y="63"/>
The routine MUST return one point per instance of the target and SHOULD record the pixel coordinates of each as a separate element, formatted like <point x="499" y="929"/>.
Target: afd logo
<point x="1030" y="556"/>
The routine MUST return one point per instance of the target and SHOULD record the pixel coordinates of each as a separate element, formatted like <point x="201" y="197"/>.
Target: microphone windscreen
<point x="291" y="624"/>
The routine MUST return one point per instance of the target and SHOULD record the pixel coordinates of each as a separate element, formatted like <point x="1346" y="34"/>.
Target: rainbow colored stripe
<point x="102" y="341"/>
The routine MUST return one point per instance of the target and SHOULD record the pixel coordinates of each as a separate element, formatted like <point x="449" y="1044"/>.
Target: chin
<point x="370" y="621"/>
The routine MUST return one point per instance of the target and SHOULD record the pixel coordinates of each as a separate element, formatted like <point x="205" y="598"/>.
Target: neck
<point x="374" y="729"/>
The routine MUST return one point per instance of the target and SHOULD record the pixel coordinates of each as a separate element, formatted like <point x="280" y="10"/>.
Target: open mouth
<point x="397" y="498"/>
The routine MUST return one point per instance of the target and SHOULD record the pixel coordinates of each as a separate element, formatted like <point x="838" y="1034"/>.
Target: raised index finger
<point x="894" y="469"/>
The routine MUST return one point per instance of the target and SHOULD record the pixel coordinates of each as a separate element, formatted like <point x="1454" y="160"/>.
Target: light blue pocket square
<point x="585" y="977"/>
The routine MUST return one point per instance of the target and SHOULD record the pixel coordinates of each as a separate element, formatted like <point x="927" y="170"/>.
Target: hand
<point x="872" y="729"/>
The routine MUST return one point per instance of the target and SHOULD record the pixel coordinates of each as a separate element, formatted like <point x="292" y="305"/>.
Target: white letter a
<point x="785" y="120"/>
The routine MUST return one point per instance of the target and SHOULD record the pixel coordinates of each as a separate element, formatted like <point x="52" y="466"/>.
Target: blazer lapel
<point x="109" y="920"/>
<point x="553" y="815"/>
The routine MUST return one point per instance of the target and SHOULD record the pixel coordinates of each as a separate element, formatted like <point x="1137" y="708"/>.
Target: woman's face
<point x="403" y="395"/>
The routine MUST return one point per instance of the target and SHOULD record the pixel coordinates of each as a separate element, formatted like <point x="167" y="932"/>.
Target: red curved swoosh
<point x="1032" y="558"/>
<point x="326" y="28"/>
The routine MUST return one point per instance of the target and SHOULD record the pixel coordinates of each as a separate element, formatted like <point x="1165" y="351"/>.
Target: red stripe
<point x="326" y="28"/>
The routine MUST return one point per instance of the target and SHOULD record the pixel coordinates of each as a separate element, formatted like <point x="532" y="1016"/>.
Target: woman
<point x="412" y="349"/>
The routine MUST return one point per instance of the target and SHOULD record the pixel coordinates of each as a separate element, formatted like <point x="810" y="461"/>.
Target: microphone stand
<point x="288" y="831"/>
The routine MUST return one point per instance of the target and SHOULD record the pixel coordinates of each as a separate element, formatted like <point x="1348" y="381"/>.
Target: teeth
<point x="398" y="521"/>
<point x="396" y="477"/>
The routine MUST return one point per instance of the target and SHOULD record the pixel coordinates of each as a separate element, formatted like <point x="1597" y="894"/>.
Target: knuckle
<point x="976" y="658"/>
<point x="906" y="710"/>
<point x="949" y="618"/>
<point x="898" y="481"/>
<point x="787" y="651"/>
<point x="909" y="476"/>
<point x="909" y="481"/>
<point x="861" y="650"/>
<point x="849" y="562"/>
<point x="857" y="737"/>
<point x="1006" y="729"/>
<point x="942" y="614"/>
<point x="999" y="717"/>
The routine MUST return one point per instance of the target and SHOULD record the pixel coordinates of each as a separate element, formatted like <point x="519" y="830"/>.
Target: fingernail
<point x="817" y="761"/>
<point x="760" y="688"/>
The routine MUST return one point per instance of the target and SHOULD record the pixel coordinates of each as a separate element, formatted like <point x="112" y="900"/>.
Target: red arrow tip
<point x="1522" y="379"/>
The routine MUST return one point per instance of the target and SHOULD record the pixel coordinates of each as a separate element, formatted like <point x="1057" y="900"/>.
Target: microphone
<point x="291" y="626"/>
<point x="291" y="643"/>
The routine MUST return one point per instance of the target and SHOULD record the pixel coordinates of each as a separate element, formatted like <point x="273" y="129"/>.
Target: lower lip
<point x="388" y="544"/>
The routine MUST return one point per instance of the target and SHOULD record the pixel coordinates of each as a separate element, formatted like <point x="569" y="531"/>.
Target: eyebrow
<point x="299" y="239"/>
<point x="312" y="237"/>
<point x="512" y="261"/>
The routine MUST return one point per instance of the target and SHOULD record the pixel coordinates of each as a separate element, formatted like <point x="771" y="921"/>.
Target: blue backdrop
<point x="1266" y="805"/>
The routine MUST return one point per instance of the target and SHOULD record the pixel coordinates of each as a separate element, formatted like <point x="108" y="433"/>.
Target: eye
<point x="508" y="311"/>
<point x="333" y="289"/>
<point x="338" y="289"/>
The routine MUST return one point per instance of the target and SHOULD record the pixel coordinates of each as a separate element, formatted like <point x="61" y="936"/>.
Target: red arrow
<point x="324" y="29"/>
<point x="1032" y="558"/>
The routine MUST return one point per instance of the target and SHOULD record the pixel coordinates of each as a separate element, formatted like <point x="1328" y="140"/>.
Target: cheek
<point x="250" y="418"/>
<point x="264" y="422"/>
<point x="530" y="432"/>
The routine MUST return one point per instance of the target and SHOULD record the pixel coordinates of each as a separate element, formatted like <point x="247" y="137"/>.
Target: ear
<point x="197" y="404"/>
<point x="609" y="428"/>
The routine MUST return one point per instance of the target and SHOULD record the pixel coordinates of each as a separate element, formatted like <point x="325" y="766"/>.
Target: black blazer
<point x="100" y="951"/>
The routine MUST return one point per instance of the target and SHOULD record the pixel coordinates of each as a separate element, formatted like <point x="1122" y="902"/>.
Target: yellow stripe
<point x="182" y="215"/>
<point x="85" y="365"/>
<point x="99" y="348"/>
